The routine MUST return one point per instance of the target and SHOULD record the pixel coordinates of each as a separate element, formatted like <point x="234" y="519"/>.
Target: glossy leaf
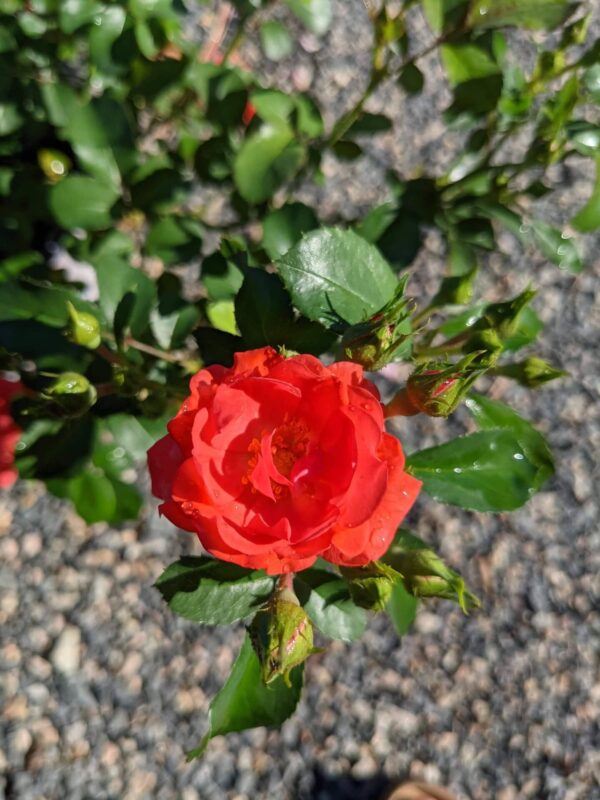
<point x="213" y="592"/>
<point x="485" y="471"/>
<point x="334" y="276"/>
<point x="587" y="218"/>
<point x="491" y="414"/>
<point x="245" y="702"/>
<point x="327" y="602"/>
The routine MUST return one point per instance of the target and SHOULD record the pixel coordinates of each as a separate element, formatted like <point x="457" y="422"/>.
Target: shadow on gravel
<point x="336" y="787"/>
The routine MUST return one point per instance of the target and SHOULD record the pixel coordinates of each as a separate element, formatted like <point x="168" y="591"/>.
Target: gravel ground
<point x="104" y="690"/>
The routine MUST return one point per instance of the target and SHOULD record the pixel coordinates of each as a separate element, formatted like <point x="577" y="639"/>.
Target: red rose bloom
<point x="277" y="461"/>
<point x="9" y="433"/>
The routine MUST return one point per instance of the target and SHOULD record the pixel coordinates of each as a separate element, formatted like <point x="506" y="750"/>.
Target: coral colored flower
<point x="277" y="461"/>
<point x="10" y="433"/>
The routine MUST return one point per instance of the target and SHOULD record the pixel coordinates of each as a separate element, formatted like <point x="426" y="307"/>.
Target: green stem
<point x="379" y="76"/>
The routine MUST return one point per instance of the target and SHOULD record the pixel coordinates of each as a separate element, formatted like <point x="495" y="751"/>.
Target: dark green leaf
<point x="284" y="227"/>
<point x="265" y="316"/>
<point x="369" y="123"/>
<point x="485" y="471"/>
<point x="326" y="600"/>
<point x="412" y="79"/>
<point x="213" y="592"/>
<point x="334" y="275"/>
<point x="245" y="702"/>
<point x="491" y="414"/>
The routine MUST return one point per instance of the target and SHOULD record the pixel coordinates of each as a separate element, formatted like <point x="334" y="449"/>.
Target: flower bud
<point x="370" y="586"/>
<point x="424" y="573"/>
<point x="436" y="389"/>
<point x="84" y="328"/>
<point x="282" y="636"/>
<point x="72" y="394"/>
<point x="531" y="372"/>
<point x="376" y="342"/>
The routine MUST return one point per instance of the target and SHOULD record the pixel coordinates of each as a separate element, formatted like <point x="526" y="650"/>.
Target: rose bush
<point x="277" y="461"/>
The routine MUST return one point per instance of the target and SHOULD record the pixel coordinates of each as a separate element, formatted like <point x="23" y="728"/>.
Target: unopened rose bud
<point x="370" y="586"/>
<point x="84" y="328"/>
<point x="531" y="372"/>
<point x="424" y="573"/>
<point x="72" y="393"/>
<point x="282" y="637"/>
<point x="436" y="389"/>
<point x="375" y="343"/>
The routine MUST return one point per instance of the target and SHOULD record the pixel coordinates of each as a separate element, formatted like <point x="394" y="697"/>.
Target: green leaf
<point x="245" y="702"/>
<point x="284" y="227"/>
<point x="11" y="118"/>
<point x="402" y="608"/>
<point x="464" y="62"/>
<point x="275" y="40"/>
<point x="213" y="592"/>
<point x="326" y="600"/>
<point x="93" y="496"/>
<point x="221" y="278"/>
<point x="535" y="14"/>
<point x="265" y="316"/>
<point x="127" y="295"/>
<point x="491" y="414"/>
<point x="587" y="218"/>
<point x="557" y="247"/>
<point x="314" y="14"/>
<point x="485" y="471"/>
<point x="221" y="315"/>
<point x="369" y="123"/>
<point x="591" y="82"/>
<point x="443" y="15"/>
<point x="75" y="13"/>
<point x="333" y="275"/>
<point x="412" y="79"/>
<point x="81" y="202"/>
<point x="265" y="161"/>
<point x="529" y="326"/>
<point x="584" y="137"/>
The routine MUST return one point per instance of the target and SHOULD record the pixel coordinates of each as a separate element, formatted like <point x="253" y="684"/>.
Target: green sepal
<point x="282" y="636"/>
<point x="424" y="573"/>
<point x="371" y="586"/>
